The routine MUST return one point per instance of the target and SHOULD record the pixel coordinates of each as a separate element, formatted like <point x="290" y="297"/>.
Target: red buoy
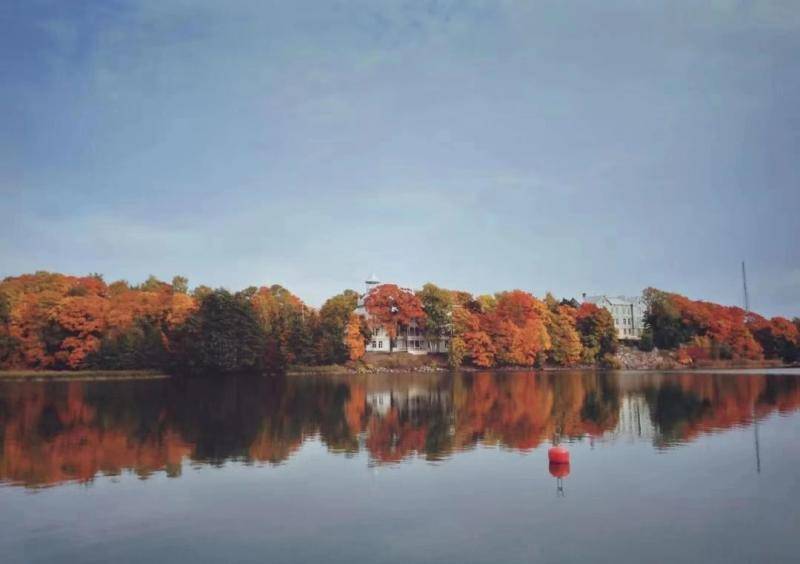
<point x="558" y="455"/>
<point x="559" y="470"/>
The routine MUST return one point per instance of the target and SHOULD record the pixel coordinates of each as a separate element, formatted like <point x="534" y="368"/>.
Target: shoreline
<point x="344" y="370"/>
<point x="69" y="375"/>
<point x="341" y="370"/>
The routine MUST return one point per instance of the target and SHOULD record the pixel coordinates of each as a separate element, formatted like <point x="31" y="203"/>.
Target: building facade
<point x="410" y="338"/>
<point x="628" y="314"/>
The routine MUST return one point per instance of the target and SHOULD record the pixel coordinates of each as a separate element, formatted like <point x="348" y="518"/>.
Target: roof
<point x="613" y="300"/>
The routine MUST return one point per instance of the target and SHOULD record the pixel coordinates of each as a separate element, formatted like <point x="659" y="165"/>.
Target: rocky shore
<point x="627" y="358"/>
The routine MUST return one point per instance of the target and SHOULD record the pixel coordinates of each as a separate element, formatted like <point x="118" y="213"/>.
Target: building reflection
<point x="73" y="431"/>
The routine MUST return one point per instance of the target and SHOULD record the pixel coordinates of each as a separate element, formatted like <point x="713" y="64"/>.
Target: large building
<point x="628" y="314"/>
<point x="410" y="338"/>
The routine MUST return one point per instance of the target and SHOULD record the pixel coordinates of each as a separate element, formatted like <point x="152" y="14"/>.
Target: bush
<point x="610" y="362"/>
<point x="646" y="343"/>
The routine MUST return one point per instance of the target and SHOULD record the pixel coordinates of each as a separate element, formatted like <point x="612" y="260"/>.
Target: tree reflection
<point x="58" y="431"/>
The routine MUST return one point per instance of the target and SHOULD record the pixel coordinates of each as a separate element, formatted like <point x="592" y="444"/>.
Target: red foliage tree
<point x="778" y="337"/>
<point x="392" y="307"/>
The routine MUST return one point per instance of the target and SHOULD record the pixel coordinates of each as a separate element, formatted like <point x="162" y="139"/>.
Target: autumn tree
<point x="598" y="334"/>
<point x="118" y="287"/>
<point x="392" y="308"/>
<point x="5" y="309"/>
<point x="153" y="284"/>
<point x="7" y="342"/>
<point x="201" y="292"/>
<point x="82" y="320"/>
<point x="140" y="326"/>
<point x="457" y="351"/>
<point x="438" y="305"/>
<point x="778" y="337"/>
<point x="335" y="317"/>
<point x="470" y="340"/>
<point x="566" y="342"/>
<point x="517" y="328"/>
<point x="663" y="320"/>
<point x="180" y="285"/>
<point x="354" y="338"/>
<point x="290" y="325"/>
<point x="703" y="330"/>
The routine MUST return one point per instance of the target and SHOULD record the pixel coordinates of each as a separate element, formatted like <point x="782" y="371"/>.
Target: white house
<point x="410" y="339"/>
<point x="628" y="314"/>
<point x="411" y="399"/>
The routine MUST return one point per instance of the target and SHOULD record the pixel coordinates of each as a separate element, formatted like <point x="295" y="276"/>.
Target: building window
<point x="373" y="344"/>
<point x="380" y="344"/>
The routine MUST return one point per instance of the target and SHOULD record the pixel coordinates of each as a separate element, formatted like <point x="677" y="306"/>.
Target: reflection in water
<point x="61" y="431"/>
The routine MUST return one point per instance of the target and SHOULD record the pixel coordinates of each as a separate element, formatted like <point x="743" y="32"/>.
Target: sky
<point x="564" y="146"/>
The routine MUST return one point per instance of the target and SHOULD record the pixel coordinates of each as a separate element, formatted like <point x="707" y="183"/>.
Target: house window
<point x="380" y="344"/>
<point x="373" y="344"/>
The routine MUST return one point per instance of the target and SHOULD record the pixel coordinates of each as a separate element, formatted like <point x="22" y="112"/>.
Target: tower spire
<point x="371" y="282"/>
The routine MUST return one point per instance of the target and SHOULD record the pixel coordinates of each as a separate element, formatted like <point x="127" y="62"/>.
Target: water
<point x="403" y="468"/>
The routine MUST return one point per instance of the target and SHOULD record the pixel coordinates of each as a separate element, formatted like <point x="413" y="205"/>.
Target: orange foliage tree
<point x="59" y="321"/>
<point x="470" y="341"/>
<point x="354" y="338"/>
<point x="517" y="328"/>
<point x="566" y="342"/>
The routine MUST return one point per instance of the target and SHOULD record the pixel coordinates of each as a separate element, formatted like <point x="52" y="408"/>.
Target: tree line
<point x="56" y="321"/>
<point x="701" y="330"/>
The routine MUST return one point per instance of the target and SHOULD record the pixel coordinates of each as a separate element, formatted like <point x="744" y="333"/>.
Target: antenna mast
<point x="744" y="285"/>
<point x="753" y="407"/>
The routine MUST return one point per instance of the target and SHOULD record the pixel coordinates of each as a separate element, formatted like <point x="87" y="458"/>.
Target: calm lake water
<point x="403" y="468"/>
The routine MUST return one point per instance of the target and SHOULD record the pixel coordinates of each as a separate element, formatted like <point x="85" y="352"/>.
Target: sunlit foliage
<point x="354" y="337"/>
<point x="566" y="343"/>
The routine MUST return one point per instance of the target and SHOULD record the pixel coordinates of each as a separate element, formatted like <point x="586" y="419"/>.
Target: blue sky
<point x="597" y="147"/>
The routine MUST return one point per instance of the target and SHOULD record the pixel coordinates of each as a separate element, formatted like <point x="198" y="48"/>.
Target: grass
<point x="80" y="374"/>
<point x="377" y="362"/>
